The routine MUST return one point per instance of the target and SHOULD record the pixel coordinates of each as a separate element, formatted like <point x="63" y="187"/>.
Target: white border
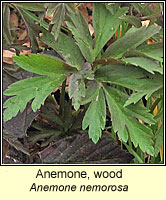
<point x="1" y="164"/>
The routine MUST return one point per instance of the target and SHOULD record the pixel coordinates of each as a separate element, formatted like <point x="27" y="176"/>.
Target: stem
<point x="133" y="153"/>
<point x="62" y="99"/>
<point x="154" y="105"/>
<point x="50" y="28"/>
<point x="106" y="61"/>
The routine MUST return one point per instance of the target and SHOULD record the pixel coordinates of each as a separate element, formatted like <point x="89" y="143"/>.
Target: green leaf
<point x="145" y="63"/>
<point x="131" y="77"/>
<point x="77" y="85"/>
<point x="66" y="47"/>
<point x="43" y="65"/>
<point x="33" y="17"/>
<point x="124" y="75"/>
<point x="131" y="150"/>
<point x="91" y="92"/>
<point x="6" y="26"/>
<point x="31" y="6"/>
<point x="105" y="24"/>
<point x="79" y="28"/>
<point x="158" y="140"/>
<point x="58" y="20"/>
<point x="132" y="20"/>
<point x="51" y="8"/>
<point x="32" y="28"/>
<point x="110" y="7"/>
<point x="76" y="90"/>
<point x="140" y="112"/>
<point x="113" y="7"/>
<point x="137" y="6"/>
<point x="37" y="87"/>
<point x="95" y="117"/>
<point x="154" y="50"/>
<point x="131" y="40"/>
<point x="124" y="122"/>
<point x="86" y="71"/>
<point x="134" y="98"/>
<point x="70" y="8"/>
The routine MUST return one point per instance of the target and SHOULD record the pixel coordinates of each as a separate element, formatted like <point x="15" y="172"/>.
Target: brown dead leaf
<point x="8" y="56"/>
<point x="91" y="29"/>
<point x="7" y="53"/>
<point x="150" y="41"/>
<point x="8" y="60"/>
<point x="27" y="44"/>
<point x="25" y="52"/>
<point x="49" y="17"/>
<point x="84" y="11"/>
<point x="23" y="35"/>
<point x="145" y="23"/>
<point x="40" y="43"/>
<point x="89" y="6"/>
<point x="67" y="83"/>
<point x="14" y="19"/>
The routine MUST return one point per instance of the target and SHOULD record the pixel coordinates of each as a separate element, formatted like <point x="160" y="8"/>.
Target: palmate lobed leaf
<point x="79" y="29"/>
<point x="33" y="17"/>
<point x="31" y="6"/>
<point x="58" y="19"/>
<point x="105" y="24"/>
<point x="134" y="98"/>
<point x="156" y="91"/>
<point x="124" y="120"/>
<point x="148" y="64"/>
<point x="140" y="112"/>
<point x="43" y="64"/>
<point x="37" y="87"/>
<point x="132" y="39"/>
<point x="116" y="73"/>
<point x="132" y="20"/>
<point x="131" y="77"/>
<point x="91" y="92"/>
<point x="59" y="11"/>
<point x="66" y="47"/>
<point x="95" y="117"/>
<point x="154" y="50"/>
